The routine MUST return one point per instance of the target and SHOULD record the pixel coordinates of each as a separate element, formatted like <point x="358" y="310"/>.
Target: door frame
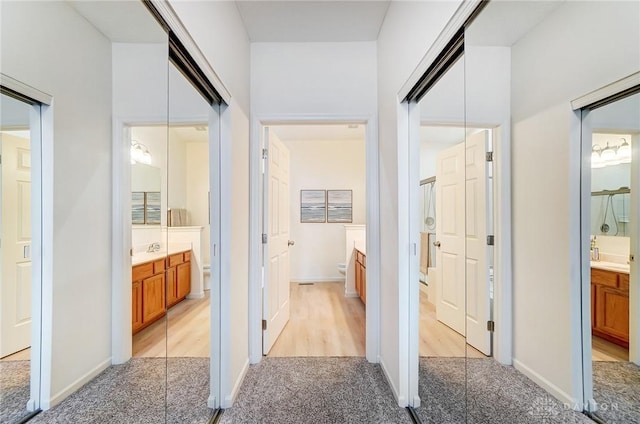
<point x="409" y="232"/>
<point x="373" y="224"/>
<point x="580" y="173"/>
<point x="41" y="145"/>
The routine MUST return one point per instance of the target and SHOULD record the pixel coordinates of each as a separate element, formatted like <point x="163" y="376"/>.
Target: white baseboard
<point x="554" y="390"/>
<point x="73" y="387"/>
<point x="400" y="399"/>
<point x="195" y="295"/>
<point x="351" y="294"/>
<point x="231" y="398"/>
<point x="211" y="402"/>
<point x="318" y="280"/>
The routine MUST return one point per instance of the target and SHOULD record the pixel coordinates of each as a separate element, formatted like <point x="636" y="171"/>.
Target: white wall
<point x="48" y="46"/>
<point x="197" y="192"/>
<point x="581" y="47"/>
<point x="313" y="78"/>
<point x="408" y="31"/>
<point x="330" y="164"/>
<point x="224" y="42"/>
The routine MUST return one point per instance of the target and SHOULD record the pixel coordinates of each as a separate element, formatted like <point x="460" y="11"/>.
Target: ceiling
<point x="121" y="21"/>
<point x="503" y="23"/>
<point x="312" y="21"/>
<point x="318" y="132"/>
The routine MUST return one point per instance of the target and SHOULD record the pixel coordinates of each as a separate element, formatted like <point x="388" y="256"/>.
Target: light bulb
<point x="608" y="155"/>
<point x="624" y="151"/>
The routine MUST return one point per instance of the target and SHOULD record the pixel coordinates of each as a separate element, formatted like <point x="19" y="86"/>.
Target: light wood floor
<point x="604" y="350"/>
<point x="23" y="355"/>
<point x="323" y="322"/>
<point x="436" y="339"/>
<point x="185" y="335"/>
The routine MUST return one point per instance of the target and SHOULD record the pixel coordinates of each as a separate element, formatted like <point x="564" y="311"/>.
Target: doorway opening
<point x="611" y="323"/>
<point x="314" y="217"/>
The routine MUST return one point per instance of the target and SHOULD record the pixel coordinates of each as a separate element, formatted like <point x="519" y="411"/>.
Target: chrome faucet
<point x="153" y="247"/>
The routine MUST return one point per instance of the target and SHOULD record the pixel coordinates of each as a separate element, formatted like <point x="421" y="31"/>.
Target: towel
<point x="424" y="253"/>
<point x="177" y="217"/>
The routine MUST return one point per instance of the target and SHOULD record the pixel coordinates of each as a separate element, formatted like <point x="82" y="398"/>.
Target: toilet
<point x="342" y="269"/>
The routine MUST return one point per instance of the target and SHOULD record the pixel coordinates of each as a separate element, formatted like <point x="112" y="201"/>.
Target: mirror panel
<point x="615" y="322"/>
<point x="442" y="328"/>
<point x="188" y="253"/>
<point x="16" y="280"/>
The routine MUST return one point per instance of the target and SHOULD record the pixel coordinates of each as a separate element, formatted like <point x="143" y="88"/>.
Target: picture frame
<point x="137" y="208"/>
<point x="340" y="206"/>
<point x="152" y="208"/>
<point x="313" y="206"/>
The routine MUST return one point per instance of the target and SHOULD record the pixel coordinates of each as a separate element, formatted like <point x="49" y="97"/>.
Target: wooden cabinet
<point x="178" y="278"/>
<point x="610" y="306"/>
<point x="157" y="286"/>
<point x="361" y="276"/>
<point x="153" y="304"/>
<point x="136" y="301"/>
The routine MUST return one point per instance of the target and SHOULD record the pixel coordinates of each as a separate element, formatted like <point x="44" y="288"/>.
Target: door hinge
<point x="489" y="156"/>
<point x="490" y="240"/>
<point x="265" y="153"/>
<point x="264" y="324"/>
<point x="491" y="326"/>
<point x="264" y="238"/>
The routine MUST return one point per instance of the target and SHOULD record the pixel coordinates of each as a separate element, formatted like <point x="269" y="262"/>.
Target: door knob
<point x="291" y="243"/>
<point x="436" y="243"/>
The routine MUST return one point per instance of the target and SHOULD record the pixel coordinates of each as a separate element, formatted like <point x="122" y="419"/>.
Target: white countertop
<point x="611" y="266"/>
<point x="143" y="257"/>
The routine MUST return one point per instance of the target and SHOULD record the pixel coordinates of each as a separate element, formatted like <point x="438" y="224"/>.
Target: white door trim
<point x="408" y="233"/>
<point x="373" y="225"/>
<point x="41" y="144"/>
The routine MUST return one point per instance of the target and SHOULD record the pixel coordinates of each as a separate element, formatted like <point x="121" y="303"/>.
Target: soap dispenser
<point x="595" y="252"/>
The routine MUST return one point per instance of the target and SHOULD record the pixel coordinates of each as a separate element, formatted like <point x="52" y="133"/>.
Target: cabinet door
<point x="358" y="277"/>
<point x="593" y="306"/>
<point x="136" y="303"/>
<point x="612" y="315"/>
<point x="363" y="285"/>
<point x="153" y="298"/>
<point x="184" y="280"/>
<point x="172" y="287"/>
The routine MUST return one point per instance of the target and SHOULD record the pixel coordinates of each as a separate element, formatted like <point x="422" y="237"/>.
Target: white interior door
<point x="15" y="302"/>
<point x="450" y="237"/>
<point x="477" y="251"/>
<point x="276" y="264"/>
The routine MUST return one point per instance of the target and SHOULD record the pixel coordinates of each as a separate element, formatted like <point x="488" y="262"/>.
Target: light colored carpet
<point x="318" y="390"/>
<point x="134" y="393"/>
<point x="616" y="389"/>
<point x="14" y="390"/>
<point x="455" y="390"/>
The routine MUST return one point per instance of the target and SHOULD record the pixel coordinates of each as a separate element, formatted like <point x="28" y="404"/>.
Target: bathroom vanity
<point x="610" y="302"/>
<point x="159" y="281"/>
<point x="361" y="275"/>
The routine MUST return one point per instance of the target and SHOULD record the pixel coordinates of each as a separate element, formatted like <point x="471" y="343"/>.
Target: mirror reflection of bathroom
<point x="613" y="232"/>
<point x="321" y="220"/>
<point x="15" y="260"/>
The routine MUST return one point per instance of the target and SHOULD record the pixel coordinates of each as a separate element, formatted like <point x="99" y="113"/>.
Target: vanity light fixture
<point x="140" y="153"/>
<point x="610" y="154"/>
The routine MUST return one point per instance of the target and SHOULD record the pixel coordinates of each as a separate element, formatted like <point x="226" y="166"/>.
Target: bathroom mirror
<point x="145" y="177"/>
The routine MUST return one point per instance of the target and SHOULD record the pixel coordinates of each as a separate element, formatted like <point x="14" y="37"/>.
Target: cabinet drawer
<point x="158" y="266"/>
<point x="187" y="256"/>
<point x="140" y="272"/>
<point x="176" y="259"/>
<point x="604" y="278"/>
<point x="623" y="281"/>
